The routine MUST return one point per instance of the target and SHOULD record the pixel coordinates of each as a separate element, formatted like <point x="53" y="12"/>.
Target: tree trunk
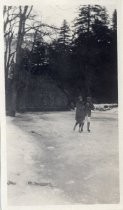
<point x="11" y="98"/>
<point x="16" y="80"/>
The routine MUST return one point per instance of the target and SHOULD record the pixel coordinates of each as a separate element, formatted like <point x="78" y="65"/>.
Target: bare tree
<point x="14" y="32"/>
<point x="10" y="22"/>
<point x="19" y="22"/>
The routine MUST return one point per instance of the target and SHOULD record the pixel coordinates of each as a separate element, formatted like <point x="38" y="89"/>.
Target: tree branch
<point x="27" y="16"/>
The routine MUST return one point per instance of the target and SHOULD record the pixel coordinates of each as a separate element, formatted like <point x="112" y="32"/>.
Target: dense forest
<point x="81" y="59"/>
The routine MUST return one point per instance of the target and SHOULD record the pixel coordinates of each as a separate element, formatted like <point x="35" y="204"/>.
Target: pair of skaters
<point x="83" y="113"/>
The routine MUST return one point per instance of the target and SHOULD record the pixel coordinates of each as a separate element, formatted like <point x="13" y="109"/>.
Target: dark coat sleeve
<point x="92" y="106"/>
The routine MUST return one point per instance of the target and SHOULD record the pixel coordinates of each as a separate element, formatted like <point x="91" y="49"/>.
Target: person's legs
<point x="75" y="126"/>
<point x="83" y="125"/>
<point x="80" y="126"/>
<point x="88" y="124"/>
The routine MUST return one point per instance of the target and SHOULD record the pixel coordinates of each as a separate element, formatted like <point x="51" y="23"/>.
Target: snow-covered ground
<point x="49" y="163"/>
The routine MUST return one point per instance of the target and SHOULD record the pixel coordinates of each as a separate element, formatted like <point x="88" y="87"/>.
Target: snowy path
<point x="48" y="163"/>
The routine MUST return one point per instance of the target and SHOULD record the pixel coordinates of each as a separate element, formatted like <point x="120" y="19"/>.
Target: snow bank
<point x="111" y="108"/>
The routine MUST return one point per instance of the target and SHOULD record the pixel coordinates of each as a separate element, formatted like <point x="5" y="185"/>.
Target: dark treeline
<point x="82" y="60"/>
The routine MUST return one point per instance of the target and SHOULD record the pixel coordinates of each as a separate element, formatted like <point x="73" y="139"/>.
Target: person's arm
<point x="92" y="106"/>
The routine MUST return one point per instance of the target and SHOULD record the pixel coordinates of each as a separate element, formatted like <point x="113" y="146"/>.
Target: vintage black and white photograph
<point x="61" y="92"/>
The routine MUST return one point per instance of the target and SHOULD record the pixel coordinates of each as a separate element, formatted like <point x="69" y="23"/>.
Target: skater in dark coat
<point x="80" y="114"/>
<point x="88" y="107"/>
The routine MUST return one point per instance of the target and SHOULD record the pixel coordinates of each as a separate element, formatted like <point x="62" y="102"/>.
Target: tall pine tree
<point x="91" y="21"/>
<point x="64" y="36"/>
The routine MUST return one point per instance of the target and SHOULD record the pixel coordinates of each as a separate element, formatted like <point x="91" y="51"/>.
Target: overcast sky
<point x="55" y="11"/>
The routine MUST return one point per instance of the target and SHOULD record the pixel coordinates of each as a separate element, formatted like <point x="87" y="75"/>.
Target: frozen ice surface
<point x="65" y="166"/>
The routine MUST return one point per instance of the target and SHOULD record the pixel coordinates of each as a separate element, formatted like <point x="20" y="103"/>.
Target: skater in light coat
<point x="88" y="107"/>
